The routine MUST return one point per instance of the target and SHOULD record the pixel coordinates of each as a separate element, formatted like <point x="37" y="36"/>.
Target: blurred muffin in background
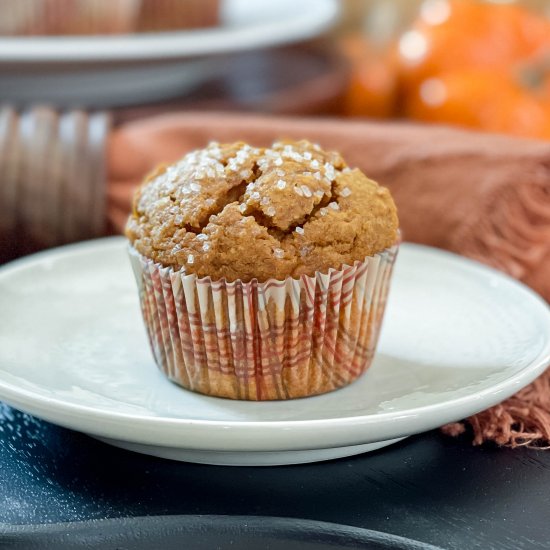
<point x="164" y="15"/>
<point x="85" y="17"/>
<point x="60" y="17"/>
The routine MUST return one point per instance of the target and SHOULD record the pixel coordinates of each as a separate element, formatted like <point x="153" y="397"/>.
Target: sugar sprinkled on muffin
<point x="235" y="211"/>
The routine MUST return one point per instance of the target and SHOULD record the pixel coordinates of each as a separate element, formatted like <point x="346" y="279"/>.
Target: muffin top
<point x="235" y="211"/>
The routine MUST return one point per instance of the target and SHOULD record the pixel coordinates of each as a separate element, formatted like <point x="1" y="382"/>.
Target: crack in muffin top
<point x="235" y="211"/>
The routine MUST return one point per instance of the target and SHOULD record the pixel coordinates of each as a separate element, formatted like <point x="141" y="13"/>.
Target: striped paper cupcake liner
<point x="264" y="341"/>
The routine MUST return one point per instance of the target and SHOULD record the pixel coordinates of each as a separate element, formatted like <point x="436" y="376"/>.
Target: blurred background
<point x="72" y="71"/>
<point x="482" y="64"/>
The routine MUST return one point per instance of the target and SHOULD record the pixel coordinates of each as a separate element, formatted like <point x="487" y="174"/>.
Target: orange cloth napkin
<point x="480" y="195"/>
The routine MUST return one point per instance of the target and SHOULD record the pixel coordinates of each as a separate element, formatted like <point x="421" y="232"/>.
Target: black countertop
<point x="430" y="488"/>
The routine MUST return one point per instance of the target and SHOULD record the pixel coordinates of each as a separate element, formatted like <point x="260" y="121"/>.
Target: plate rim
<point x="293" y="527"/>
<point x="169" y="45"/>
<point x="158" y="430"/>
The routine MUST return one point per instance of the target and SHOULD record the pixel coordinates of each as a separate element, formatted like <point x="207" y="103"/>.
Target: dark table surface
<point x="429" y="488"/>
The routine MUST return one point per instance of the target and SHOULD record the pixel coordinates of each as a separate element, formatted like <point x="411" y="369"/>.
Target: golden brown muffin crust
<point x="239" y="212"/>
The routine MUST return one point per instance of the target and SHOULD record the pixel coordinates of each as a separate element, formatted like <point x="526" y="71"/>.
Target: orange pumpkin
<point x="493" y="101"/>
<point x="458" y="34"/>
<point x="372" y="87"/>
<point x="464" y="62"/>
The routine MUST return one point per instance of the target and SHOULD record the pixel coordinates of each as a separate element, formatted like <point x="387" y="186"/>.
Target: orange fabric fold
<point x="483" y="196"/>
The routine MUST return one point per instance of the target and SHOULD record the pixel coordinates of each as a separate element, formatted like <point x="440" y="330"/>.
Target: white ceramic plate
<point x="458" y="337"/>
<point x="127" y="69"/>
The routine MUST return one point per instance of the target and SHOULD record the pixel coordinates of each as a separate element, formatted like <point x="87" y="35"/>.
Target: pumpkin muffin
<point x="263" y="272"/>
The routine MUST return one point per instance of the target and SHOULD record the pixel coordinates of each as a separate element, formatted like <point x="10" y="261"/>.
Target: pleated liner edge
<point x="264" y="340"/>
